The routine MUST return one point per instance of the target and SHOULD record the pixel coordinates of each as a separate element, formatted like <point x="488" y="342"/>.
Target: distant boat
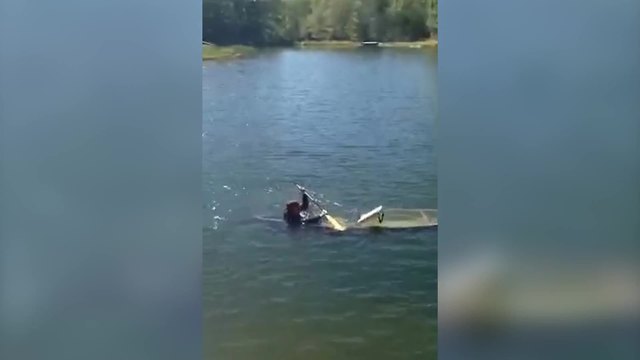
<point x="370" y="43"/>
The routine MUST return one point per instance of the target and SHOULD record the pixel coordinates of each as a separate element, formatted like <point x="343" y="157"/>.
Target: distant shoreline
<point x="216" y="52"/>
<point x="428" y="43"/>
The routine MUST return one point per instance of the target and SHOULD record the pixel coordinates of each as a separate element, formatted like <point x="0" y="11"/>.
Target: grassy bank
<point x="328" y="44"/>
<point x="214" y="52"/>
<point x="412" y="44"/>
<point x="355" y="44"/>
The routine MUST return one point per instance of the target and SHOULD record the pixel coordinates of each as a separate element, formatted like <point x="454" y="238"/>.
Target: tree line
<point x="282" y="22"/>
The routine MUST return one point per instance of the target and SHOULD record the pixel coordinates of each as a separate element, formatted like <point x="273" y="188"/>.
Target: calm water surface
<point x="356" y="126"/>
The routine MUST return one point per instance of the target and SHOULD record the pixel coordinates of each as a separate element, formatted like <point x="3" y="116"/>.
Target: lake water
<point x="358" y="127"/>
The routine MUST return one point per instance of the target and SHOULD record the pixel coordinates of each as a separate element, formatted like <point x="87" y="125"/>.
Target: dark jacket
<point x="301" y="220"/>
<point x="297" y="220"/>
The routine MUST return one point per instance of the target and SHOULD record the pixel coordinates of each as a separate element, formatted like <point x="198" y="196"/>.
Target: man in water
<point x="296" y="215"/>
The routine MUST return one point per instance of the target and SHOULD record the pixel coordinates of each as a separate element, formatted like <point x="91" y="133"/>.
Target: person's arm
<point x="305" y="201"/>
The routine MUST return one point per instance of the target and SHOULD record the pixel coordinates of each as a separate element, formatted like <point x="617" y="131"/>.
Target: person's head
<point x="293" y="208"/>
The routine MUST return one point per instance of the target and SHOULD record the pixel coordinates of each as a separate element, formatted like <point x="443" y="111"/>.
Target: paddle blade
<point x="370" y="214"/>
<point x="335" y="223"/>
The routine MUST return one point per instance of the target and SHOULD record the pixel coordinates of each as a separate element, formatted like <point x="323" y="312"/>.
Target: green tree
<point x="432" y="16"/>
<point x="317" y="20"/>
<point x="295" y="13"/>
<point x="272" y="22"/>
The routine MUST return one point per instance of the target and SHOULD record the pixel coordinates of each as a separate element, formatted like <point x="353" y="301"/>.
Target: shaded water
<point x="358" y="127"/>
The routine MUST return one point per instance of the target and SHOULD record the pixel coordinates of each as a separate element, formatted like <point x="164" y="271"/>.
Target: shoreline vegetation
<point x="214" y="52"/>
<point x="355" y="44"/>
<point x="315" y="24"/>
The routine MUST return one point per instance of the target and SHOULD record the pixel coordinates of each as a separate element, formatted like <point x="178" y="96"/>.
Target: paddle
<point x="335" y="223"/>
